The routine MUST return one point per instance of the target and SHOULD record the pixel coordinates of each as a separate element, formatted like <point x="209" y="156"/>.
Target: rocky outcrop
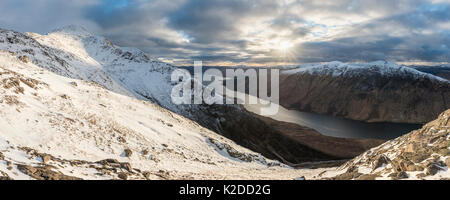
<point x="374" y="92"/>
<point x="44" y="173"/>
<point x="421" y="154"/>
<point x="50" y="168"/>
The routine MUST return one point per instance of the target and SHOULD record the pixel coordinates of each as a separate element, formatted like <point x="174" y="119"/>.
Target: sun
<point x="285" y="46"/>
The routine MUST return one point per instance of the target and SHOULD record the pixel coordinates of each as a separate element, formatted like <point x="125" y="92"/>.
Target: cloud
<point x="252" y="31"/>
<point x="43" y="15"/>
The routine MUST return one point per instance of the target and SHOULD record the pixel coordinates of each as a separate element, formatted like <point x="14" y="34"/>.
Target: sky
<point x="252" y="32"/>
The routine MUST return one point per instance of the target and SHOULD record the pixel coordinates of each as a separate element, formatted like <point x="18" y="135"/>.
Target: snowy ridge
<point x="75" y="53"/>
<point x="382" y="68"/>
<point x="127" y="71"/>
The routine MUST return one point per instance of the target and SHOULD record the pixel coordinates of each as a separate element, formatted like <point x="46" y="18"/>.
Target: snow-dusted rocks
<point x="421" y="154"/>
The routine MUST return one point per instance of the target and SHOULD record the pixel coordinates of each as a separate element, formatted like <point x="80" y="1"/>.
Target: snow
<point x="382" y="68"/>
<point x="94" y="100"/>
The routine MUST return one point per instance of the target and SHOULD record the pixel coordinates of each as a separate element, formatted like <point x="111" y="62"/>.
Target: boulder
<point x="367" y="177"/>
<point x="398" y="175"/>
<point x="46" y="158"/>
<point x="432" y="169"/>
<point x="146" y="175"/>
<point x="108" y="161"/>
<point x="128" y="152"/>
<point x="122" y="176"/>
<point x="400" y="165"/>
<point x="380" y="160"/>
<point x="24" y="59"/>
<point x="126" y="166"/>
<point x="44" y="173"/>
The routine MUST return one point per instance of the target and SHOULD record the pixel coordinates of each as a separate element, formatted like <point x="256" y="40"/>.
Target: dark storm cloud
<point x="349" y="49"/>
<point x="251" y="31"/>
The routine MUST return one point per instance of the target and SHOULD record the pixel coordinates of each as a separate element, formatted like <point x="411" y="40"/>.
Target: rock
<point x="46" y="158"/>
<point x="26" y="169"/>
<point x="367" y="177"/>
<point x="412" y="167"/>
<point x="432" y="169"/>
<point x="417" y="157"/>
<point x="126" y="166"/>
<point x="421" y="175"/>
<point x="5" y="178"/>
<point x="380" y="160"/>
<point x="73" y="84"/>
<point x="399" y="165"/>
<point x="416" y="151"/>
<point x="398" y="175"/>
<point x="349" y="175"/>
<point x="128" y="152"/>
<point x="447" y="162"/>
<point x="418" y="168"/>
<point x="123" y="176"/>
<point x="44" y="173"/>
<point x="443" y="152"/>
<point x="24" y="59"/>
<point x="108" y="161"/>
<point x="122" y="140"/>
<point x="146" y="175"/>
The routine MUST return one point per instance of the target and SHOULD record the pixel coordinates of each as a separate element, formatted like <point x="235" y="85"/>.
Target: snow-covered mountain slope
<point x="73" y="105"/>
<point x="75" y="53"/>
<point x="421" y="154"/>
<point x="382" y="68"/>
<point x="123" y="70"/>
<point x="54" y="127"/>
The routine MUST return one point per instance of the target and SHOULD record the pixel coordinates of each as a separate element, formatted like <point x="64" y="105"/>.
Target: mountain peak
<point x="73" y="30"/>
